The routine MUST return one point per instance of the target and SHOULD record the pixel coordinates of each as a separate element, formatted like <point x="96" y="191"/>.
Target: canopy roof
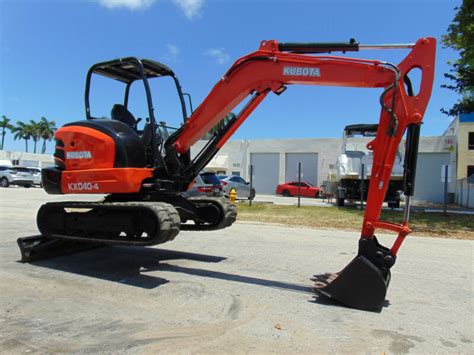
<point x="127" y="69"/>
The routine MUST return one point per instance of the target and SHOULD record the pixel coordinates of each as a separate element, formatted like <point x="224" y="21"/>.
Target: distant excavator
<point x="144" y="174"/>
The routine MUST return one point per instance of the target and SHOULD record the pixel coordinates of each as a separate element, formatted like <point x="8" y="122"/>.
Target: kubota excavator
<point x="144" y="175"/>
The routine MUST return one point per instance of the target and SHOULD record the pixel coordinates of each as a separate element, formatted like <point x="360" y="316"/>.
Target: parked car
<point x="291" y="189"/>
<point x="15" y="175"/>
<point x="205" y="184"/>
<point x="239" y="184"/>
<point x="36" y="173"/>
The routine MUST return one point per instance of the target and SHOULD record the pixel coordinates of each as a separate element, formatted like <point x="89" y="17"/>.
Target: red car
<point x="291" y="189"/>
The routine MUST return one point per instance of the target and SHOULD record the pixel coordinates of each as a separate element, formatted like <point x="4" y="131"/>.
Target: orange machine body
<point x="88" y="157"/>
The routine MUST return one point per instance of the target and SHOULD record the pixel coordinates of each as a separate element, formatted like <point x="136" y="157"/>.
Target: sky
<point x="47" y="47"/>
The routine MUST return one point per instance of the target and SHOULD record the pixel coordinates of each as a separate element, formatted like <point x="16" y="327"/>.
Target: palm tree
<point x="22" y="131"/>
<point x="35" y="131"/>
<point x="5" y="124"/>
<point x="47" y="129"/>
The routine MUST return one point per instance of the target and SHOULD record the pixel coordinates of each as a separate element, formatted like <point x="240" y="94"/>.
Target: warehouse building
<point x="32" y="160"/>
<point x="459" y="136"/>
<point x="275" y="161"/>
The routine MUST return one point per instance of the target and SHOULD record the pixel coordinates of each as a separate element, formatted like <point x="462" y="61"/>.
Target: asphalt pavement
<point x="243" y="289"/>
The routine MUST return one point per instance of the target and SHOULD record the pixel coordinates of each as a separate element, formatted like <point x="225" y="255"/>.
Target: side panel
<point x="99" y="181"/>
<point x="266" y="167"/>
<point x="85" y="148"/>
<point x="309" y="167"/>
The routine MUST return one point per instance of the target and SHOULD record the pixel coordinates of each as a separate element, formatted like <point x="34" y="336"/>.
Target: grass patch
<point x="454" y="226"/>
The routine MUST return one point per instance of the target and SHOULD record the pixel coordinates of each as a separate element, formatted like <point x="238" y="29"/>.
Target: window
<point x="210" y="178"/>
<point x="470" y="144"/>
<point x="22" y="170"/>
<point x="302" y="184"/>
<point x="104" y="93"/>
<point x="470" y="170"/>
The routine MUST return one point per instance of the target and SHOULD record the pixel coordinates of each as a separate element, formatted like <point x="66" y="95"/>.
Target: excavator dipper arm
<point x="271" y="68"/>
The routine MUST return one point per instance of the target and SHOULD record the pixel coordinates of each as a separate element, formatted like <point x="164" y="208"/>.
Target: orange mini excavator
<point x="143" y="173"/>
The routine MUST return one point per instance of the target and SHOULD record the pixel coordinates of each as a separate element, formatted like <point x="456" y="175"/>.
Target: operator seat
<point x="120" y="113"/>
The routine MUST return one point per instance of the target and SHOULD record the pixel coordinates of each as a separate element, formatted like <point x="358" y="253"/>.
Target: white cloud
<point x="172" y="53"/>
<point x="218" y="54"/>
<point x="191" y="8"/>
<point x="130" y="4"/>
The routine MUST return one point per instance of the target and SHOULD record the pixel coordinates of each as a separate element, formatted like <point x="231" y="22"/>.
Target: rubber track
<point x="230" y="214"/>
<point x="168" y="218"/>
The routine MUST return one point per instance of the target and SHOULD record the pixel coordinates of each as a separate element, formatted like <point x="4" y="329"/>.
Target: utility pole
<point x="299" y="184"/>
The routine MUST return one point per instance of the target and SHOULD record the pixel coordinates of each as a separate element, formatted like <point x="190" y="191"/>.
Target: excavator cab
<point x="129" y="71"/>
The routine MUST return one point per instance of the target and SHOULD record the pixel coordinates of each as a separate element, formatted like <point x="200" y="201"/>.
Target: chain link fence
<point x="465" y="192"/>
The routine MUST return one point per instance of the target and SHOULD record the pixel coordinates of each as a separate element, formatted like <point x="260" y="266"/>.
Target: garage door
<point x="309" y="167"/>
<point x="428" y="185"/>
<point x="266" y="168"/>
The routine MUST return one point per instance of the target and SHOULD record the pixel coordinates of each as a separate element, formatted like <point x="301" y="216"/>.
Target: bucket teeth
<point x="322" y="280"/>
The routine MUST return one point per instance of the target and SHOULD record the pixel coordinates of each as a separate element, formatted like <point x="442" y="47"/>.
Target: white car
<point x="36" y="172"/>
<point x="15" y="175"/>
<point x="241" y="186"/>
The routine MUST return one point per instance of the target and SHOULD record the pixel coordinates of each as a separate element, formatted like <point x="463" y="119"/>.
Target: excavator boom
<point x="270" y="69"/>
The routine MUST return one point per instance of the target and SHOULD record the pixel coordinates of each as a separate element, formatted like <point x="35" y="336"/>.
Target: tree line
<point x="460" y="37"/>
<point x="37" y="131"/>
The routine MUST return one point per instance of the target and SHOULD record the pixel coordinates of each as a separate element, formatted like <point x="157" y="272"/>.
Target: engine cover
<point x="97" y="156"/>
<point x="99" y="143"/>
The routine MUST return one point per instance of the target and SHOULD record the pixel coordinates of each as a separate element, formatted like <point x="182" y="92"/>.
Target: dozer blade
<point x="363" y="283"/>
<point x="39" y="247"/>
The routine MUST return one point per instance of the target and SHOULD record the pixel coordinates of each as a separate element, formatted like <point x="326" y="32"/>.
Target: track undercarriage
<point x="112" y="222"/>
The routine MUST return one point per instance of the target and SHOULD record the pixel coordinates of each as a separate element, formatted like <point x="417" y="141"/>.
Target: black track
<point x="226" y="209"/>
<point x="130" y="223"/>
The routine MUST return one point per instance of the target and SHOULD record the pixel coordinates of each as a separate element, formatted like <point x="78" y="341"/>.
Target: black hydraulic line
<point x="394" y="86"/>
<point x="234" y="67"/>
<point x="324" y="47"/>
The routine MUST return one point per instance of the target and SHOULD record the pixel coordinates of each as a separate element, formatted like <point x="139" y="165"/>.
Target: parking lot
<point x="243" y="289"/>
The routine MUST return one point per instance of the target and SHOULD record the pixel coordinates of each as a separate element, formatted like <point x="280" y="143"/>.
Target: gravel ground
<point x="243" y="289"/>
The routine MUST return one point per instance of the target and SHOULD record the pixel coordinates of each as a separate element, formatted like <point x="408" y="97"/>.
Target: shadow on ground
<point x="131" y="265"/>
<point x="232" y="277"/>
<point x="122" y="264"/>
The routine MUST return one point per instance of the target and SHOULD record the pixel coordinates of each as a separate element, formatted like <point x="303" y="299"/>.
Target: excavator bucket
<point x="363" y="283"/>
